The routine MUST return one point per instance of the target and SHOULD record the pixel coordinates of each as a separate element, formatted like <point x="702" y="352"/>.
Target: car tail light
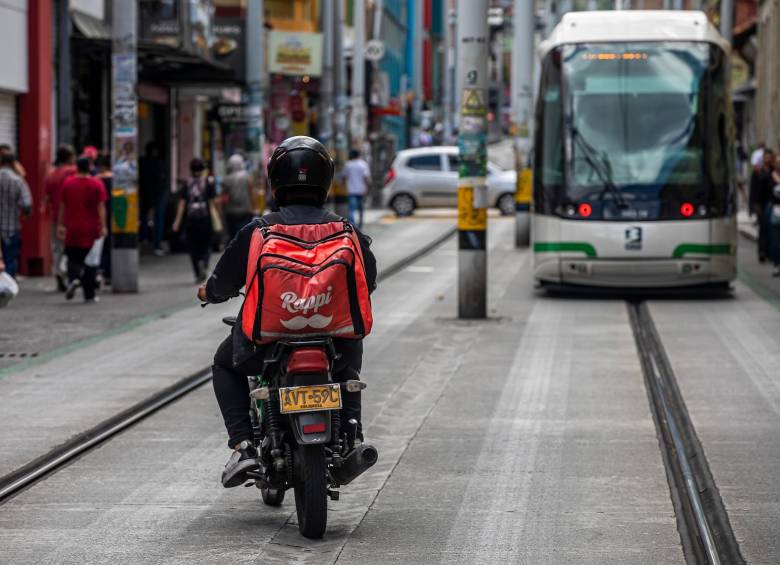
<point x="389" y="177"/>
<point x="314" y="428"/>
<point x="686" y="209"/>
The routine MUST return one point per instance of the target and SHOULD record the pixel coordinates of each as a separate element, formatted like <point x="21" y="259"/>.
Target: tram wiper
<point x="602" y="167"/>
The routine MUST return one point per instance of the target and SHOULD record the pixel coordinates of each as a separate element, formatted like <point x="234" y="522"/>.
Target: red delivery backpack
<point x="305" y="280"/>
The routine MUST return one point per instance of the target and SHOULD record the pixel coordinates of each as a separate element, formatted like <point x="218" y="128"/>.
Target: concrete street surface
<point x="525" y="438"/>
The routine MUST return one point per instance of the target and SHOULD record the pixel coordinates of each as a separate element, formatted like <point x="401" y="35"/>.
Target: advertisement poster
<point x="294" y="53"/>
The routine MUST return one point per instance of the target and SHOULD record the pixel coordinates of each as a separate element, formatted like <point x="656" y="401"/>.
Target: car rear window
<point x="425" y="162"/>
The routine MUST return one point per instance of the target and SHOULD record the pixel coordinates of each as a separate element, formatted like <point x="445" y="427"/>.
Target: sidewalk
<point x="166" y="287"/>
<point x="48" y="399"/>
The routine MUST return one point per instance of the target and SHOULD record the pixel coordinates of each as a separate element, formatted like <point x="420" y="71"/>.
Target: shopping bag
<point x="95" y="254"/>
<point x="8" y="289"/>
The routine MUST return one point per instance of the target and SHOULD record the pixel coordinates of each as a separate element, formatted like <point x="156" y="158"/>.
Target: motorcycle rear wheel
<point x="272" y="496"/>
<point x="311" y="491"/>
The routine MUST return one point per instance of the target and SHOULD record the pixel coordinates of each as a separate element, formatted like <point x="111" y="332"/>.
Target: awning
<point x="159" y="63"/>
<point x="162" y="64"/>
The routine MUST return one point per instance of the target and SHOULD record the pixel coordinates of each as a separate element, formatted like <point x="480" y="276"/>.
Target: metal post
<point x="64" y="79"/>
<point x="358" y="122"/>
<point x="522" y="113"/>
<point x="255" y="72"/>
<point x="727" y="20"/>
<point x="124" y="201"/>
<point x="340" y="134"/>
<point x="473" y="45"/>
<point x="417" y="77"/>
<point x="327" y="102"/>
<point x="448" y="25"/>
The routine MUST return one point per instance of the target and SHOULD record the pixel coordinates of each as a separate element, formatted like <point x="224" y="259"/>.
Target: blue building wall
<point x="394" y="33"/>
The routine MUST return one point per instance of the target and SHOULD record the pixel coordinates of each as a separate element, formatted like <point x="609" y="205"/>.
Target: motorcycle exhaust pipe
<point x="356" y="463"/>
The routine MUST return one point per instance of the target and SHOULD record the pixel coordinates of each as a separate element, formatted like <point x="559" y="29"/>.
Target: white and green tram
<point x="634" y="180"/>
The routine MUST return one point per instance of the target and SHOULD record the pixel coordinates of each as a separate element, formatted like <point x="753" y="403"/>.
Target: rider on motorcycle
<point x="300" y="173"/>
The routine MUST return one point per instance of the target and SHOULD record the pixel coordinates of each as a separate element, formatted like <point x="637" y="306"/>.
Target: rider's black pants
<point x="232" y="387"/>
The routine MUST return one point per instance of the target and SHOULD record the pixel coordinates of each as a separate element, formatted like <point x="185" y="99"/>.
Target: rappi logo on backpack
<point x="295" y="304"/>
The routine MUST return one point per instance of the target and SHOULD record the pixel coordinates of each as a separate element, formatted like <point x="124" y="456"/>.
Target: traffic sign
<point x="375" y="50"/>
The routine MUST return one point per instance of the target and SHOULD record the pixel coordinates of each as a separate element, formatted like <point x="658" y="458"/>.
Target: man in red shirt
<point x="64" y="168"/>
<point x="82" y="221"/>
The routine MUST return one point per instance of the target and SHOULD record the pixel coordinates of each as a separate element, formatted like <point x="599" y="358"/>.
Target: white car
<point x="428" y="177"/>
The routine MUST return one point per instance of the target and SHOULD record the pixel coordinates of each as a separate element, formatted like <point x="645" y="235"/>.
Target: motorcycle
<point x="299" y="436"/>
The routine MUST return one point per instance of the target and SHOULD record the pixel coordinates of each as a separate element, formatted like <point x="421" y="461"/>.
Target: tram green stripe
<point x="559" y="246"/>
<point x="701" y="249"/>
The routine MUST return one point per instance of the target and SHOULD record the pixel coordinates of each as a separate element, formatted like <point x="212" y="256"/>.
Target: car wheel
<point x="403" y="204"/>
<point x="506" y="204"/>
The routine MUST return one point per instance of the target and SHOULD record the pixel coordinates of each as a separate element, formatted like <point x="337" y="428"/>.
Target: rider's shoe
<point x="243" y="460"/>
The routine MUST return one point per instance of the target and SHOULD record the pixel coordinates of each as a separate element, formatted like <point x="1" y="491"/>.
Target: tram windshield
<point x="644" y="126"/>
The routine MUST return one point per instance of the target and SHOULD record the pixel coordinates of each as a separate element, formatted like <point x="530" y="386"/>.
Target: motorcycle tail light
<point x="585" y="210"/>
<point x="314" y="428"/>
<point x="686" y="209"/>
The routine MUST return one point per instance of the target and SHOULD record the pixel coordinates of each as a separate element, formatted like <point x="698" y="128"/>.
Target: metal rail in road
<point x="16" y="481"/>
<point x="702" y="520"/>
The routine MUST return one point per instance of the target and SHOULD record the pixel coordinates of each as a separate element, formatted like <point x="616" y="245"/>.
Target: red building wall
<point x="35" y="137"/>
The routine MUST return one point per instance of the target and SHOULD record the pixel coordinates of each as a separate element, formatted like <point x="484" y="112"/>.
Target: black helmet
<point x="302" y="167"/>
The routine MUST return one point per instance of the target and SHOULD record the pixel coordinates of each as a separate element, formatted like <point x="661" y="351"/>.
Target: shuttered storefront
<point x="8" y="120"/>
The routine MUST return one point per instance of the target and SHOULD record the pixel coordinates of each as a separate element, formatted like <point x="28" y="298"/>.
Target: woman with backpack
<point x="196" y="210"/>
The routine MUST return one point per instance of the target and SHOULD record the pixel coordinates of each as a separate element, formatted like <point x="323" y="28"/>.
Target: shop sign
<point x="233" y="113"/>
<point x="229" y="47"/>
<point x="295" y="53"/>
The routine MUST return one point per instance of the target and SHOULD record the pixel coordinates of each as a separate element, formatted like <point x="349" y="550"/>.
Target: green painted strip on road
<point x="562" y="246"/>
<point x="76" y="345"/>
<point x="701" y="249"/>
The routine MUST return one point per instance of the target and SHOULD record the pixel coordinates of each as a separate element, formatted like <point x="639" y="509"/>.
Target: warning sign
<point x="524" y="186"/>
<point x="469" y="217"/>
<point x="473" y="102"/>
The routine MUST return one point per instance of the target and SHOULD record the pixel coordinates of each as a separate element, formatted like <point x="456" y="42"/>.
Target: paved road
<point x="523" y="439"/>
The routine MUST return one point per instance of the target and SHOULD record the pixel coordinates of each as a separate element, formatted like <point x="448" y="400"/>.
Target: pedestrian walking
<point x="237" y="195"/>
<point x="196" y="213"/>
<point x="106" y="176"/>
<point x="774" y="218"/>
<point x="82" y="225"/>
<point x="15" y="200"/>
<point x="64" y="168"/>
<point x="760" y="189"/>
<point x="757" y="156"/>
<point x="153" y="196"/>
<point x="18" y="168"/>
<point x="357" y="175"/>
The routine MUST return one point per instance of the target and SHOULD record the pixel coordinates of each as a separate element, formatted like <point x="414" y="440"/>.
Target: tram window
<point x="425" y="163"/>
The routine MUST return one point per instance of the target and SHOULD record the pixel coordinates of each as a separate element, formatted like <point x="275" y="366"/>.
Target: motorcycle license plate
<point x="309" y="398"/>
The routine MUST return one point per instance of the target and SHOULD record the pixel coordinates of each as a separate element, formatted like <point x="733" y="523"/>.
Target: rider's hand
<point x="202" y="293"/>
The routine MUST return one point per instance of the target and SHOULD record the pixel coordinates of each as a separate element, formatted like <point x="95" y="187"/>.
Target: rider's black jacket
<point x="229" y="275"/>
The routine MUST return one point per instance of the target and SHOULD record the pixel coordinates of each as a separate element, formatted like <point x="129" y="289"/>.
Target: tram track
<point x="59" y="457"/>
<point x="702" y="521"/>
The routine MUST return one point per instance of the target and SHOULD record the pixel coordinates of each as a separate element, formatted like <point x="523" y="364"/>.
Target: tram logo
<point x="633" y="238"/>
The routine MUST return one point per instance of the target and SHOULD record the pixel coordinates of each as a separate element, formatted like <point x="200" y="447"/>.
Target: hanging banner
<point x="295" y="53"/>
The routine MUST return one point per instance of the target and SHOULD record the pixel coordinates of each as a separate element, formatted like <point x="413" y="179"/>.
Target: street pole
<point x="255" y="67"/>
<point x="417" y="77"/>
<point x="727" y="20"/>
<point x="327" y="103"/>
<point x="473" y="45"/>
<point x="340" y="134"/>
<point x="124" y="196"/>
<point x="522" y="112"/>
<point x="448" y="25"/>
<point x="64" y="98"/>
<point x="358" y="121"/>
